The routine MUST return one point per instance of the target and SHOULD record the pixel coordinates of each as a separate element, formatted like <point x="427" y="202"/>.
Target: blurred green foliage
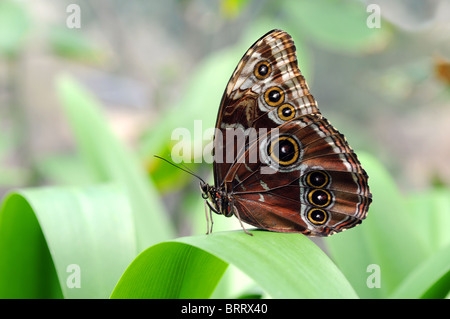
<point x="110" y="220"/>
<point x="14" y="26"/>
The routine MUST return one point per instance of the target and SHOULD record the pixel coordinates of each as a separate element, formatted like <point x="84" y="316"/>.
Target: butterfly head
<point x="206" y="190"/>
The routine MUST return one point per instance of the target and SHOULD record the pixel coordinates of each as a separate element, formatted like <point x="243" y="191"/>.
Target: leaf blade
<point x="284" y="265"/>
<point x="431" y="279"/>
<point x="89" y="227"/>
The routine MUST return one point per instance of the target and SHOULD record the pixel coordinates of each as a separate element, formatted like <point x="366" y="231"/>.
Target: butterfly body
<point x="279" y="164"/>
<point x="218" y="199"/>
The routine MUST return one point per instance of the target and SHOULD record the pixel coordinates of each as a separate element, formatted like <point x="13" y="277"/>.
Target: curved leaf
<point x="430" y="280"/>
<point x="171" y="270"/>
<point x="284" y="265"/>
<point x="64" y="242"/>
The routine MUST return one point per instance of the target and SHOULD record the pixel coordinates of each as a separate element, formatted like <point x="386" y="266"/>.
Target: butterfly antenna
<point x="185" y="169"/>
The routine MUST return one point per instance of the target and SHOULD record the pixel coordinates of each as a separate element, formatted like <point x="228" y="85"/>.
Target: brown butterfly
<point x="279" y="164"/>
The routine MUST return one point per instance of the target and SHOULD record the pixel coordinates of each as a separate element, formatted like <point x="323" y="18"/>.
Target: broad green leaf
<point x="387" y="238"/>
<point x="109" y="160"/>
<point x="26" y="266"/>
<point x="429" y="280"/>
<point x="171" y="270"/>
<point x="64" y="242"/>
<point x="283" y="265"/>
<point x="430" y="211"/>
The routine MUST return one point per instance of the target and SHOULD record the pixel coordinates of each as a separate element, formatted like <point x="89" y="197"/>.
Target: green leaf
<point x="430" y="211"/>
<point x="284" y="265"/>
<point x="171" y="270"/>
<point x="108" y="160"/>
<point x="46" y="232"/>
<point x="26" y="266"/>
<point x="430" y="280"/>
<point x="387" y="238"/>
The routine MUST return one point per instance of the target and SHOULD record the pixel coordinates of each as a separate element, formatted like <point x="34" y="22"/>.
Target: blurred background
<point x="383" y="81"/>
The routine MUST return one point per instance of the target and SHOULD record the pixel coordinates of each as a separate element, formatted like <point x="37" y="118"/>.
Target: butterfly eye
<point x="317" y="179"/>
<point x="319" y="197"/>
<point x="317" y="216"/>
<point x="284" y="151"/>
<point x="262" y="70"/>
<point x="274" y="96"/>
<point x="286" y="112"/>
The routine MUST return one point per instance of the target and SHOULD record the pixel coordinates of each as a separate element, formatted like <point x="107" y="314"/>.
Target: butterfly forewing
<point x="279" y="165"/>
<point x="244" y="105"/>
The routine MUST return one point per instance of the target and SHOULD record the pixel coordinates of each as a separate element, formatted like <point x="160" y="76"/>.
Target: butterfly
<point x="279" y="164"/>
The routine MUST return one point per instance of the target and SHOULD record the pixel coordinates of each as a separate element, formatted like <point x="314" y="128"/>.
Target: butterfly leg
<point x="236" y="212"/>
<point x="212" y="221"/>
<point x="209" y="217"/>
